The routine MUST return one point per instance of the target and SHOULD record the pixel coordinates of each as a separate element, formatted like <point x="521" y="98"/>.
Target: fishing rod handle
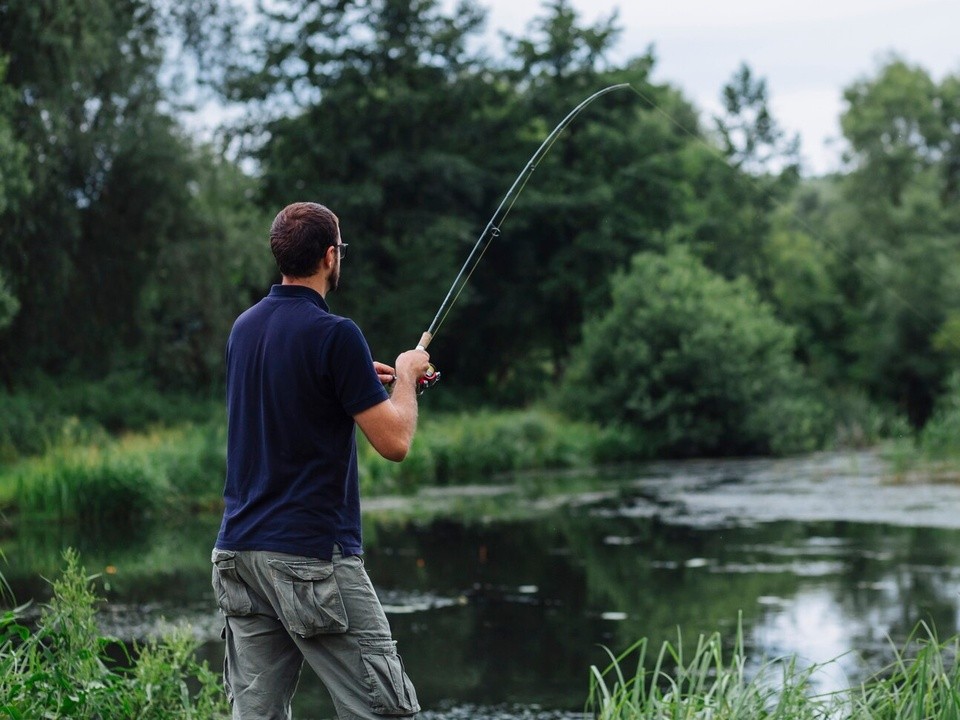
<point x="432" y="376"/>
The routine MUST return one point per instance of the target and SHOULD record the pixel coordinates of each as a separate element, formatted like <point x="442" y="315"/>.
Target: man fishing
<point x="287" y="569"/>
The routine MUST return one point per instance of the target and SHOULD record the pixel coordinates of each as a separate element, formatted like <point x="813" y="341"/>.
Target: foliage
<point x="895" y="228"/>
<point x="115" y="194"/>
<point x="714" y="683"/>
<point x="62" y="668"/>
<point x="458" y="449"/>
<point x="123" y="481"/>
<point x="694" y="364"/>
<point x="54" y="413"/>
<point x="127" y="247"/>
<point x="940" y="437"/>
<point x="709" y="684"/>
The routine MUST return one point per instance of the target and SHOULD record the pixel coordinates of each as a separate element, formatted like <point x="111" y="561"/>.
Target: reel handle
<point x="432" y="376"/>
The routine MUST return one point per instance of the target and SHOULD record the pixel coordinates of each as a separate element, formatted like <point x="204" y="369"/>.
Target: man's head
<point x="301" y="237"/>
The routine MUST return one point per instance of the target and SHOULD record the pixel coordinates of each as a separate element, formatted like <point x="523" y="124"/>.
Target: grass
<point x="484" y="446"/>
<point x="62" y="668"/>
<point x="923" y="683"/>
<point x="121" y="479"/>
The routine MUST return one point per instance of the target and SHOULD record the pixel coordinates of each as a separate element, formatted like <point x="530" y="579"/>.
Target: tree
<point x="111" y="177"/>
<point x="897" y="235"/>
<point x="385" y="117"/>
<point x="692" y="364"/>
<point x="751" y="138"/>
<point x="892" y="124"/>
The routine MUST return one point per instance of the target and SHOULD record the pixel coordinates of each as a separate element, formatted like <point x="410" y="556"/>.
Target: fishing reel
<point x="430" y="378"/>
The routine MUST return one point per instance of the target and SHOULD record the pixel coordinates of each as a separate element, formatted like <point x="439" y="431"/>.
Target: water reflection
<point x="502" y="618"/>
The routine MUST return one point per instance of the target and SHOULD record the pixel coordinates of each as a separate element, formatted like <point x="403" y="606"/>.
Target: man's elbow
<point x="396" y="452"/>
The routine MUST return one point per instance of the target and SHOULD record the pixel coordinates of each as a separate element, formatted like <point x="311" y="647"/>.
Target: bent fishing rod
<point x="492" y="230"/>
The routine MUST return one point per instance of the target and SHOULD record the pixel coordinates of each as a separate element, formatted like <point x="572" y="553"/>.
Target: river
<point x="502" y="597"/>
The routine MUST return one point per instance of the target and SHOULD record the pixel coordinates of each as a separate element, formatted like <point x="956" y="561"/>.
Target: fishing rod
<point x="492" y="230"/>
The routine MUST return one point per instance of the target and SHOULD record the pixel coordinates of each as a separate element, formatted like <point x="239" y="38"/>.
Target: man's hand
<point x="390" y="425"/>
<point x="386" y="373"/>
<point x="411" y="366"/>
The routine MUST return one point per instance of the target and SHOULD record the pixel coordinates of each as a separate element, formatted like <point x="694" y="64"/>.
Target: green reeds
<point x="479" y="447"/>
<point x="711" y="684"/>
<point x="923" y="683"/>
<point x="123" y="479"/>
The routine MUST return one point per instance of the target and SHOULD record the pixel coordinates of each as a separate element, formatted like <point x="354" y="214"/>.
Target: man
<point x="287" y="569"/>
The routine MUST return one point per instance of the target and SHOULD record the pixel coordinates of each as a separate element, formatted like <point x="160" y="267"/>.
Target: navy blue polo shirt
<point x="296" y="376"/>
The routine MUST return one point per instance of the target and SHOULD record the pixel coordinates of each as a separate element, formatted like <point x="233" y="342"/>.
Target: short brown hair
<point x="299" y="237"/>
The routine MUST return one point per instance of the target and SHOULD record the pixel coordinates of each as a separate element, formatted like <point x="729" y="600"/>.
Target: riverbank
<point x="502" y="596"/>
<point x="168" y="471"/>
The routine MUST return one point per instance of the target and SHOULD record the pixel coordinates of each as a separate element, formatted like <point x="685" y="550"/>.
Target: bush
<point x="53" y="413"/>
<point x="62" y="668"/>
<point x="940" y="437"/>
<point x="693" y="364"/>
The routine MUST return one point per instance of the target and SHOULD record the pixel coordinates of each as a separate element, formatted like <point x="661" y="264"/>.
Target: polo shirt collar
<point x="299" y="291"/>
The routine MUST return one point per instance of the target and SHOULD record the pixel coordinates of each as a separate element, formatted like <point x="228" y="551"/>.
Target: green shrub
<point x="124" y="479"/>
<point x="692" y="363"/>
<point x="61" y="669"/>
<point x="940" y="437"/>
<point x="130" y="401"/>
<point x="30" y="426"/>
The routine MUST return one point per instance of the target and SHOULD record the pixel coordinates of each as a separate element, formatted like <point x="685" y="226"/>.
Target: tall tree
<point x="84" y="76"/>
<point x="111" y="178"/>
<point x="751" y="137"/>
<point x="898" y="237"/>
<point x="382" y="113"/>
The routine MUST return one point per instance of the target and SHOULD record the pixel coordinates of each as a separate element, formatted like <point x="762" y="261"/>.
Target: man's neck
<point x="316" y="282"/>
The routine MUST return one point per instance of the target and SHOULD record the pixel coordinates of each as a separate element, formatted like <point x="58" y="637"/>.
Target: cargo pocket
<point x="309" y="597"/>
<point x="391" y="691"/>
<point x="233" y="597"/>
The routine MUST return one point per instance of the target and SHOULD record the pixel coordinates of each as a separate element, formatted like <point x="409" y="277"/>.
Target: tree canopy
<point x="127" y="245"/>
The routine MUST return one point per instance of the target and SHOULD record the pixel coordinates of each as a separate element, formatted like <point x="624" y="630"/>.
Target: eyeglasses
<point x="341" y="249"/>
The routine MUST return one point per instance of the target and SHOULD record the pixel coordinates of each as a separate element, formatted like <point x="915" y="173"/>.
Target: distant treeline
<point x="673" y="274"/>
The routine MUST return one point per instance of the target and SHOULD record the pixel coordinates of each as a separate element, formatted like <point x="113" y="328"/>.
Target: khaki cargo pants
<point x="283" y="609"/>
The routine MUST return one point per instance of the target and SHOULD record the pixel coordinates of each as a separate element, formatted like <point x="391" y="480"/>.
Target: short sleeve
<point x="355" y="381"/>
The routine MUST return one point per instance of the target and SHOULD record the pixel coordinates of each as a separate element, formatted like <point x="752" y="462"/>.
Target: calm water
<point x="502" y="614"/>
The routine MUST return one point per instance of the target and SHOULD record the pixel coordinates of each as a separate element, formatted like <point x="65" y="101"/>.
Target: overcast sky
<point x="807" y="51"/>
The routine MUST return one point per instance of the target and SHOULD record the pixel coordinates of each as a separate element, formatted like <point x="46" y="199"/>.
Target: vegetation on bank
<point x="59" y="466"/>
<point x="722" y="684"/>
<point x="61" y="666"/>
<point x="664" y="269"/>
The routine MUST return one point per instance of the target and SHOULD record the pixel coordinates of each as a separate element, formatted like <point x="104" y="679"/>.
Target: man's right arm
<point x="391" y="425"/>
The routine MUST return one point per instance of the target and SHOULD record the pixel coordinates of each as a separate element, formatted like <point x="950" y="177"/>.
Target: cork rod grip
<point x="424" y="340"/>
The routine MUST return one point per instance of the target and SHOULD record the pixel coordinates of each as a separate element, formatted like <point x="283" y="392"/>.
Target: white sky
<point x="808" y="52"/>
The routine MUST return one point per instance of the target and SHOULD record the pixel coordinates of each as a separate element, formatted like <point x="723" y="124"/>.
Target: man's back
<point x="295" y="375"/>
